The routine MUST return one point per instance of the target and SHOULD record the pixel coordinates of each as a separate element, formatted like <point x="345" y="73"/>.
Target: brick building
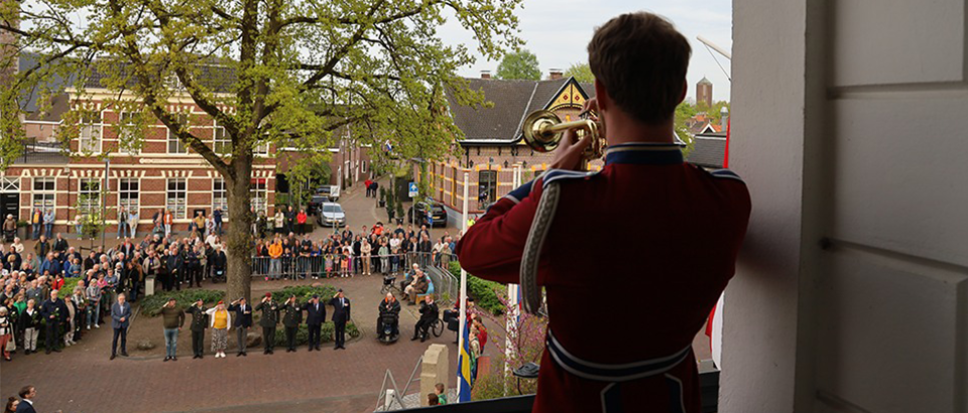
<point x="162" y="173"/>
<point x="493" y="145"/>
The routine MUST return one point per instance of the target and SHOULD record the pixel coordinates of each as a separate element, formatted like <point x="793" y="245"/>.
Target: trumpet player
<point x="684" y="223"/>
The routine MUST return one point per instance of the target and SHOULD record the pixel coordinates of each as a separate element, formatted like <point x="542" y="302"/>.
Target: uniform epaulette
<point x="553" y="175"/>
<point x="725" y="174"/>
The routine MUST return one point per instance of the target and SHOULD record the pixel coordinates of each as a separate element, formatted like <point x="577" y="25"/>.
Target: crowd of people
<point x="376" y="249"/>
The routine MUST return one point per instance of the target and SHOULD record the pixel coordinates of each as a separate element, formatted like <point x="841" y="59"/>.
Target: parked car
<point x="439" y="213"/>
<point x="329" y="191"/>
<point x="331" y="214"/>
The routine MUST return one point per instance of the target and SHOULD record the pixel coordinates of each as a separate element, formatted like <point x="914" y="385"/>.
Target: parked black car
<point x="438" y="211"/>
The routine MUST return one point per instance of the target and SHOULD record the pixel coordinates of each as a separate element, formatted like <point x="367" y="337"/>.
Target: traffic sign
<point x="413" y="189"/>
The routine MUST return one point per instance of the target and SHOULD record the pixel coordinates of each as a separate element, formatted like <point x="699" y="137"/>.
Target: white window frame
<point x="46" y="195"/>
<point x="8" y="184"/>
<point x="129" y="191"/>
<point x="180" y="199"/>
<point x="125" y="128"/>
<point x="91" y="136"/>
<point x="221" y="145"/>
<point x="183" y="118"/>
<point x="85" y="194"/>
<point x="258" y="196"/>
<point x="261" y="149"/>
<point x="223" y="200"/>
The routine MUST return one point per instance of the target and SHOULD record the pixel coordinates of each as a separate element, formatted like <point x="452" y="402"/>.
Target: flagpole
<point x="463" y="298"/>
<point x="512" y="316"/>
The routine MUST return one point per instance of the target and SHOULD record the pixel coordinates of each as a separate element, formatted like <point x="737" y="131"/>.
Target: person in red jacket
<point x="301" y="220"/>
<point x="622" y="313"/>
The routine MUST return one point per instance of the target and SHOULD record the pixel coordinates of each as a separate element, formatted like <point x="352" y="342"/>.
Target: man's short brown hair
<point x="641" y="59"/>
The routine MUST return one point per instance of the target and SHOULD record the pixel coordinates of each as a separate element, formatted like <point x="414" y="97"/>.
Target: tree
<point x="581" y="72"/>
<point x="520" y="65"/>
<point x="269" y="72"/>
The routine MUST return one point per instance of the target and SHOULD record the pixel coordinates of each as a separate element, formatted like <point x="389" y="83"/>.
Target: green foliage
<point x="326" y="333"/>
<point x="581" y="72"/>
<point x="484" y="292"/>
<point x="304" y="293"/>
<point x="151" y="305"/>
<point x="520" y="65"/>
<point x="399" y="207"/>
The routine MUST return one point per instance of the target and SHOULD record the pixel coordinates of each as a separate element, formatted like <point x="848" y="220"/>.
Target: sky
<point x="558" y="31"/>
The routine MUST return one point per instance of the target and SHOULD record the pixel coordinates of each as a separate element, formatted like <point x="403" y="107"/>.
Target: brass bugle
<point x="543" y="131"/>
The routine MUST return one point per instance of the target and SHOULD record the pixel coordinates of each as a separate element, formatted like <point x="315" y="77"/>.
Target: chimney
<point x="485" y="74"/>
<point x="556" y="74"/>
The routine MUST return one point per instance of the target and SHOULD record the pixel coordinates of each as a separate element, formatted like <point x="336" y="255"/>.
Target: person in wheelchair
<point x="428" y="314"/>
<point x="408" y="279"/>
<point x="388" y="323"/>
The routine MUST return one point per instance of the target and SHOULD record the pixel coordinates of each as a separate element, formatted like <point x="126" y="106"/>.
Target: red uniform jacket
<point x="636" y="257"/>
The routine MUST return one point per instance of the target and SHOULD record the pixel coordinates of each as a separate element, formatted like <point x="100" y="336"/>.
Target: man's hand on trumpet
<point x="570" y="149"/>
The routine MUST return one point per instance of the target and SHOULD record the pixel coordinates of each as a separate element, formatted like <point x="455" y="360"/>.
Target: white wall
<point x="848" y="127"/>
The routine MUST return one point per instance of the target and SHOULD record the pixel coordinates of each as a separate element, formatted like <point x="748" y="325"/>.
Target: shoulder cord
<point x="543" y="217"/>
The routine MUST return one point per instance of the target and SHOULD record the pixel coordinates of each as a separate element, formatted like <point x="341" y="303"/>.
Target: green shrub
<point x="484" y="292"/>
<point x="151" y="305"/>
<point x="325" y="335"/>
<point x="304" y="293"/>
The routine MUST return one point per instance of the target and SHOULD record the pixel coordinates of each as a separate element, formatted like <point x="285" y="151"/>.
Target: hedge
<point x="326" y="334"/>
<point x="484" y="292"/>
<point x="151" y="305"/>
<point x="303" y="293"/>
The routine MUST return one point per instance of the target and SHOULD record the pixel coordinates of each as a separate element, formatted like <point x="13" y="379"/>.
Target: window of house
<point x="222" y="142"/>
<point x="176" y="197"/>
<point x="128" y="194"/>
<point x="487" y="182"/>
<point x="261" y="149"/>
<point x="363" y="166"/>
<point x="44" y="192"/>
<point x="220" y="196"/>
<point x="89" y="195"/>
<point x="257" y="194"/>
<point x="127" y="132"/>
<point x="8" y="184"/>
<point x="90" y="137"/>
<point x="175" y="145"/>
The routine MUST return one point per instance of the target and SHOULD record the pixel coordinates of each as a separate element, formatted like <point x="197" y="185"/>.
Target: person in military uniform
<point x="428" y="313"/>
<point x="341" y="314"/>
<point x="675" y="230"/>
<point x="389" y="307"/>
<point x="269" y="320"/>
<point x="315" y="316"/>
<point x="198" y="326"/>
<point x="291" y="320"/>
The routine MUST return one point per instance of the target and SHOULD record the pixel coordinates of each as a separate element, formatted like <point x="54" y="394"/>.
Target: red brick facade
<point x="150" y="179"/>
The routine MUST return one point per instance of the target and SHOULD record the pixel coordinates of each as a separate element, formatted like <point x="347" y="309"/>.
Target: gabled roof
<point x="513" y="101"/>
<point x="708" y="150"/>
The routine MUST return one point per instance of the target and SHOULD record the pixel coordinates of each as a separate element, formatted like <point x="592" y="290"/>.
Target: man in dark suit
<point x="269" y="320"/>
<point x="243" y="320"/>
<point x="291" y="320"/>
<point x="55" y="313"/>
<point x="341" y="314"/>
<point x="175" y="263"/>
<point x="120" y="319"/>
<point x="315" y="316"/>
<point x="27" y="395"/>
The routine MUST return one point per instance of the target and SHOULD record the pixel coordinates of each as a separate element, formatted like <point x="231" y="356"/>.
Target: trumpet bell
<point x="538" y="132"/>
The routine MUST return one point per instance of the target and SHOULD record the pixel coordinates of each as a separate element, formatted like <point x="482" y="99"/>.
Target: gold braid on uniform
<point x="543" y="217"/>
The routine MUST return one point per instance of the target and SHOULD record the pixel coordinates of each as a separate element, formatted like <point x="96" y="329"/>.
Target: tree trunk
<point x="239" y="234"/>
